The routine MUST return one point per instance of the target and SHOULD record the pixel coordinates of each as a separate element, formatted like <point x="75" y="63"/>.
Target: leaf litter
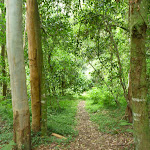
<point x="90" y="138"/>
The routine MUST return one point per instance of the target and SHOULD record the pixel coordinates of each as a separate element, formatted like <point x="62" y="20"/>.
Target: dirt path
<point x="90" y="138"/>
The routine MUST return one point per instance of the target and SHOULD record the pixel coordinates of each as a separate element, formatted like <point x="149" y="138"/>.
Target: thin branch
<point x="109" y="30"/>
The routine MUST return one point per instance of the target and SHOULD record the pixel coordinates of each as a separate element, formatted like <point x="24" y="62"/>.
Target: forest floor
<point x="90" y="138"/>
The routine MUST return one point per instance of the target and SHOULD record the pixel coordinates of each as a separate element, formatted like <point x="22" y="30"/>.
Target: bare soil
<point x="89" y="137"/>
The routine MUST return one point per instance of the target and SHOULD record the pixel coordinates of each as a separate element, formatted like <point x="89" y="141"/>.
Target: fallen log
<point x="58" y="136"/>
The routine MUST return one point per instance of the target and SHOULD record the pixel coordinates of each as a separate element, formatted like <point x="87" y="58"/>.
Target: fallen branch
<point x="58" y="136"/>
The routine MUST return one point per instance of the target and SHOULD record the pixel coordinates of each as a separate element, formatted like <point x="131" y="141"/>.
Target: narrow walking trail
<point x="90" y="138"/>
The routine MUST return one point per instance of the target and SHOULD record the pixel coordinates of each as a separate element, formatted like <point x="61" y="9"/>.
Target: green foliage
<point x="108" y="119"/>
<point x="2" y="24"/>
<point x="73" y="35"/>
<point x="64" y="75"/>
<point x="104" y="111"/>
<point x="61" y="116"/>
<point x="92" y="108"/>
<point x="101" y="96"/>
<point x="95" y="95"/>
<point x="8" y="146"/>
<point x="60" y="120"/>
<point x="83" y="96"/>
<point x="6" y="123"/>
<point x="6" y="110"/>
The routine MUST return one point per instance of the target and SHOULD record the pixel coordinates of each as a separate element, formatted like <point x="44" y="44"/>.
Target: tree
<point x="21" y="117"/>
<point x="3" y="51"/>
<point x="35" y="63"/>
<point x="4" y="85"/>
<point x="138" y="27"/>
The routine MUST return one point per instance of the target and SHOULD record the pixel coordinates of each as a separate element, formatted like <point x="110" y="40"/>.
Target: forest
<point x="75" y="74"/>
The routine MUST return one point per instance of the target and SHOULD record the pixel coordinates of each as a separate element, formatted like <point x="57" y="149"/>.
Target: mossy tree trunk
<point x="138" y="16"/>
<point x="21" y="116"/>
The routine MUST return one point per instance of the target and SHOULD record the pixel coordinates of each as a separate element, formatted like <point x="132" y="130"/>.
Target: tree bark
<point x="128" y="112"/>
<point x="21" y="117"/>
<point x="4" y="84"/>
<point x="35" y="48"/>
<point x="38" y="98"/>
<point x="138" y="27"/>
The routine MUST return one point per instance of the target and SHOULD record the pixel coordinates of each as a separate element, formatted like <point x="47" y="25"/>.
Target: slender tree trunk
<point x="4" y="84"/>
<point x="62" y="84"/>
<point x="44" y="104"/>
<point x="21" y="117"/>
<point x="50" y="69"/>
<point x="122" y="82"/>
<point x="128" y="112"/>
<point x="138" y="16"/>
<point x="34" y="44"/>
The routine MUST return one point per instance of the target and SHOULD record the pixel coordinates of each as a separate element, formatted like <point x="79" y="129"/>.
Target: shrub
<point x="101" y="96"/>
<point x="95" y="95"/>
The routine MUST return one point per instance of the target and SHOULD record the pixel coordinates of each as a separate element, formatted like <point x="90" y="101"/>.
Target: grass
<point x="104" y="111"/>
<point x="60" y="119"/>
<point x="110" y="119"/>
<point x="6" y="122"/>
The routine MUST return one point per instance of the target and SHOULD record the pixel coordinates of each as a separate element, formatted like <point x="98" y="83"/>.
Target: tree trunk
<point x="35" y="48"/>
<point x="122" y="82"/>
<point x="38" y="98"/>
<point x="138" y="16"/>
<point x="4" y="84"/>
<point x="129" y="105"/>
<point x="21" y="117"/>
<point x="62" y="84"/>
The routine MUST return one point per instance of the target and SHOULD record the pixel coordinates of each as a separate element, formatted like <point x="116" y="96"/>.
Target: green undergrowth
<point x="6" y="122"/>
<point x="60" y="120"/>
<point x="106" y="113"/>
<point x="61" y="117"/>
<point x="61" y="114"/>
<point x="110" y="120"/>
